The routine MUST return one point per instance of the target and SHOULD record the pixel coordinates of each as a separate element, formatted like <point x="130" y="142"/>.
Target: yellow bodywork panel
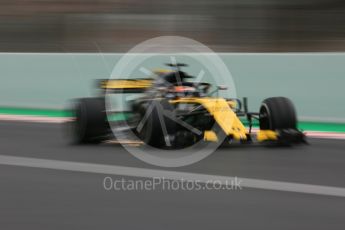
<point x="232" y="104"/>
<point x="209" y="135"/>
<point x="126" y="84"/>
<point x="222" y="113"/>
<point x="266" y="135"/>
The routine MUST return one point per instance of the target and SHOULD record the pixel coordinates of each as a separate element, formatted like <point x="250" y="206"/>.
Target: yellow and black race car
<point x="174" y="112"/>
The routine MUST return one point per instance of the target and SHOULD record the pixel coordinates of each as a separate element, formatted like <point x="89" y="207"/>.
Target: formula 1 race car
<point x="173" y="112"/>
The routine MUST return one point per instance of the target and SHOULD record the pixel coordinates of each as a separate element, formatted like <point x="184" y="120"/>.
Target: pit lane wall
<point x="314" y="81"/>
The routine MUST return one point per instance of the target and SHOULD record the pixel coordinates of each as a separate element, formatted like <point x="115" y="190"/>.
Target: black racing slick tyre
<point x="277" y="113"/>
<point x="158" y="128"/>
<point x="90" y="125"/>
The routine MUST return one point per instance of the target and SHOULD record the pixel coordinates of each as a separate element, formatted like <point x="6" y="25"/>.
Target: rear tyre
<point x="90" y="125"/>
<point x="277" y="113"/>
<point x="153" y="132"/>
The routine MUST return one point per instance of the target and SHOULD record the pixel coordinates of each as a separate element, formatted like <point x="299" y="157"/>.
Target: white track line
<point x="173" y="175"/>
<point x="35" y="119"/>
<point x="326" y="135"/>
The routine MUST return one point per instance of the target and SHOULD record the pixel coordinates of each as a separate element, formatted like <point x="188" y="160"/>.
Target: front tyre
<point x="277" y="113"/>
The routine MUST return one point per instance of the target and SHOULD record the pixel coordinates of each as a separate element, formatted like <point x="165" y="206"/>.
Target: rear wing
<point x="125" y="85"/>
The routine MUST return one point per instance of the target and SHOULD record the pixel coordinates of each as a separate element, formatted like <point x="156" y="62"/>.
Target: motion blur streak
<point x="223" y="25"/>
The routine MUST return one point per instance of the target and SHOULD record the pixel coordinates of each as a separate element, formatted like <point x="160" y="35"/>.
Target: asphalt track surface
<point x="37" y="198"/>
